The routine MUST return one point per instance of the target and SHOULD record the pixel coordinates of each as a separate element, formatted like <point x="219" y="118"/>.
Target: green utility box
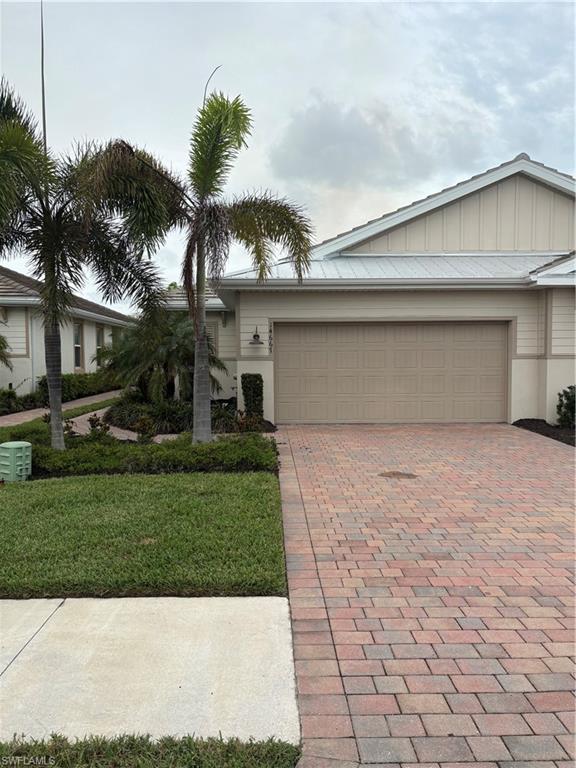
<point x="15" y="461"/>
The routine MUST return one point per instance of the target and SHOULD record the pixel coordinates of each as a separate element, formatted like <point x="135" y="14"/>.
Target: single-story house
<point x="90" y="328"/>
<point x="456" y="308"/>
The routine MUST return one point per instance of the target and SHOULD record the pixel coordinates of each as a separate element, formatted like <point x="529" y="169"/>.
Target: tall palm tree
<point x="152" y="200"/>
<point x="51" y="220"/>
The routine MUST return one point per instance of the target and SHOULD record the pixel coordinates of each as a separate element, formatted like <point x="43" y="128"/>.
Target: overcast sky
<point x="358" y="107"/>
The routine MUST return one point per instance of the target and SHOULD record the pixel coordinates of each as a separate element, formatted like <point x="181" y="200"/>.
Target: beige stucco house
<point x="90" y="327"/>
<point x="459" y="307"/>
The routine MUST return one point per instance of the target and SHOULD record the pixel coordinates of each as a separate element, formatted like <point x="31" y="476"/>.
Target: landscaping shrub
<point x="253" y="392"/>
<point x="75" y="385"/>
<point x="87" y="456"/>
<point x="9" y="401"/>
<point x="565" y="407"/>
<point x="166" y="417"/>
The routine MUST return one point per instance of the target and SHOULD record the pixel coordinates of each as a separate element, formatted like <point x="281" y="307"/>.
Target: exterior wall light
<point x="256" y="338"/>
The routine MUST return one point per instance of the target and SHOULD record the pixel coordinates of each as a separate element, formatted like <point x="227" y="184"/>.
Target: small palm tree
<point x="50" y="219"/>
<point x="151" y="201"/>
<point x="4" y="347"/>
<point x="155" y="353"/>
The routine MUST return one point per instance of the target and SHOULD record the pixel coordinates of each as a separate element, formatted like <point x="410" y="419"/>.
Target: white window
<point x="78" y="345"/>
<point x="100" y="342"/>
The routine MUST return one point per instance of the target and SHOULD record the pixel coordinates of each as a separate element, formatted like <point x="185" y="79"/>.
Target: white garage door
<point x="390" y="372"/>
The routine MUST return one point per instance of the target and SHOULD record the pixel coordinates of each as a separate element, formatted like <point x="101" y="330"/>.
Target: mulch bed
<point x="562" y="434"/>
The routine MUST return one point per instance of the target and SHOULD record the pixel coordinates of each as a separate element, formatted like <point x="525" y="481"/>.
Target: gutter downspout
<point x="32" y="349"/>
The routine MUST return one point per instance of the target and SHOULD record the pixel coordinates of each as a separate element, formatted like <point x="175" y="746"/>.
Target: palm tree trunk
<point x="53" y="357"/>
<point x="202" y="432"/>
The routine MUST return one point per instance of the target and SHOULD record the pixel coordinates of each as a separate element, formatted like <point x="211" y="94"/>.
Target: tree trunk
<point x="202" y="432"/>
<point x="53" y="357"/>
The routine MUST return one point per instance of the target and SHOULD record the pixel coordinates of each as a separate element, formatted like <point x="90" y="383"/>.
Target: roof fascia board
<point x="569" y="280"/>
<point x="551" y="178"/>
<point x="346" y="285"/>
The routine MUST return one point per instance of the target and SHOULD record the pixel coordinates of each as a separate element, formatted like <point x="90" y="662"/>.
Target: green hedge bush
<point x="168" y="417"/>
<point x="253" y="392"/>
<point x="76" y="385"/>
<point x="86" y="456"/>
<point x="565" y="407"/>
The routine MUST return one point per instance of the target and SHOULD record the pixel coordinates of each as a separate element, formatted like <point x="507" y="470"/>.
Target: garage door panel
<point x="390" y="372"/>
<point x="433" y="358"/>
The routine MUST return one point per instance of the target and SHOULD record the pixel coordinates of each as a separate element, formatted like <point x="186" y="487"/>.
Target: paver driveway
<point x="431" y="614"/>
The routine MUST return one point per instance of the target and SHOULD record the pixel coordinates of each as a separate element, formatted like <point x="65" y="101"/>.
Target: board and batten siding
<point x="525" y="307"/>
<point x="225" y="333"/>
<point x="516" y="214"/>
<point x="563" y="319"/>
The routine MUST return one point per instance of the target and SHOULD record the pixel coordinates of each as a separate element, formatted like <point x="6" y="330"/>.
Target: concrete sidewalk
<point x="161" y="666"/>
<point x="12" y="419"/>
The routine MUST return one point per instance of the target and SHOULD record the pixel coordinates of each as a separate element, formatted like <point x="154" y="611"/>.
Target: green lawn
<point x="186" y="534"/>
<point x="142" y="752"/>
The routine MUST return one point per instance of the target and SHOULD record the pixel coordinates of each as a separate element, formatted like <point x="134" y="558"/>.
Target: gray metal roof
<point x="176" y="299"/>
<point x="409" y="267"/>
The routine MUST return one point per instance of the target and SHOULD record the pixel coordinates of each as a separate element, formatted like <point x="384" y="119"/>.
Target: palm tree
<point x="132" y="180"/>
<point x="154" y="353"/>
<point x="52" y="221"/>
<point x="4" y="347"/>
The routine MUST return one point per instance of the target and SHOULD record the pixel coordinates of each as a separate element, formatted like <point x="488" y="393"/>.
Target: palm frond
<point x="14" y="110"/>
<point x="261" y="221"/>
<point x="130" y="184"/>
<point x="4" y="349"/>
<point x="220" y="131"/>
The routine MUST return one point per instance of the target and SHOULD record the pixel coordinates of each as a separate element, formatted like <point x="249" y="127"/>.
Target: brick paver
<point x="432" y="616"/>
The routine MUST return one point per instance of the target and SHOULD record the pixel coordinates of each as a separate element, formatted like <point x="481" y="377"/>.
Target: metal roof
<point x="408" y="267"/>
<point x="176" y="299"/>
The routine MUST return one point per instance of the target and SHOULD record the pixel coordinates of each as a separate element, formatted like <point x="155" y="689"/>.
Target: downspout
<point x="32" y="349"/>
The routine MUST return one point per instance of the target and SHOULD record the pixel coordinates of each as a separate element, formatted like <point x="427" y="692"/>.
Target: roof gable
<point x="521" y="164"/>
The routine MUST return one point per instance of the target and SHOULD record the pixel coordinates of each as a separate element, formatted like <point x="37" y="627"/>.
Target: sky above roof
<point x="358" y="108"/>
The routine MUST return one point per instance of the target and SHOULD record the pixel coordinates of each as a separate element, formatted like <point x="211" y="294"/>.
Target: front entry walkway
<point x="430" y="586"/>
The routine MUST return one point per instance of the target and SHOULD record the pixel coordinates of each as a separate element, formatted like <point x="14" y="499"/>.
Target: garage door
<point x="390" y="372"/>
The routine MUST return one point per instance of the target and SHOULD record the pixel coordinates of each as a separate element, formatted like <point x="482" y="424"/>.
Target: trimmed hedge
<point x="253" y="393"/>
<point x="565" y="408"/>
<point x="76" y="385"/>
<point x="87" y="456"/>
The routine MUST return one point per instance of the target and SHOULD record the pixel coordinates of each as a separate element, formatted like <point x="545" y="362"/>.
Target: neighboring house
<point x="89" y="328"/>
<point x="459" y="307"/>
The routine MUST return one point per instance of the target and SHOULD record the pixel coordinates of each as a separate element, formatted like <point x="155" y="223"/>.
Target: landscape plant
<point x="4" y="349"/>
<point x="156" y="356"/>
<point x="565" y="408"/>
<point x="253" y="394"/>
